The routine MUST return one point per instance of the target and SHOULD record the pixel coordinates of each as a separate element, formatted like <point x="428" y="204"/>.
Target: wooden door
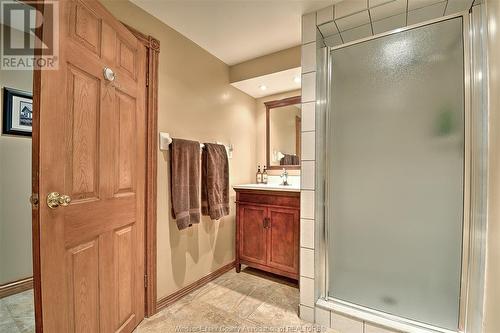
<point x="283" y="239"/>
<point x="92" y="148"/>
<point x="253" y="234"/>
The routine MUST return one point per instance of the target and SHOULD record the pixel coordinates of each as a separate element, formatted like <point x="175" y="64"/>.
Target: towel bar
<point x="166" y="140"/>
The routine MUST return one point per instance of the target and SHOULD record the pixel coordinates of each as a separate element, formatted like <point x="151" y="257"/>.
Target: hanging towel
<point x="214" y="181"/>
<point x="290" y="159"/>
<point x="185" y="182"/>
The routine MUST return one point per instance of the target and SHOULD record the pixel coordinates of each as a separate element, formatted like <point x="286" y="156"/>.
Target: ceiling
<point x="236" y="30"/>
<point x="274" y="83"/>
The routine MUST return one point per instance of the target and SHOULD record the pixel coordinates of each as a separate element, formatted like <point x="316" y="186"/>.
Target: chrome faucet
<point x="284" y="177"/>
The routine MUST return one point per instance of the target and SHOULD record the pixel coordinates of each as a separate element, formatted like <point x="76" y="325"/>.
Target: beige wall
<point x="261" y="128"/>
<point x="195" y="102"/>
<point x="492" y="291"/>
<point x="15" y="189"/>
<point x="271" y="63"/>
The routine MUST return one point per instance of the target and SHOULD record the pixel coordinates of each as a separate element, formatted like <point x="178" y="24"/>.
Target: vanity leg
<point x="238" y="267"/>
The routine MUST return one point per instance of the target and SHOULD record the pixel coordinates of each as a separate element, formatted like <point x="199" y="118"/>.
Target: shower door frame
<point x="469" y="197"/>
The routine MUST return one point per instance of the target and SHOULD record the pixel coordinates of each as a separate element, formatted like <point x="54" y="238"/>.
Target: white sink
<point x="268" y="187"/>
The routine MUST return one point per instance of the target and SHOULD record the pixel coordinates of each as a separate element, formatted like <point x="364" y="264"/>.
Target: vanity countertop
<point x="268" y="187"/>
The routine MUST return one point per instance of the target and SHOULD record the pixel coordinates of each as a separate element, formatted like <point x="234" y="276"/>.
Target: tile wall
<point x="351" y="20"/>
<point x="307" y="223"/>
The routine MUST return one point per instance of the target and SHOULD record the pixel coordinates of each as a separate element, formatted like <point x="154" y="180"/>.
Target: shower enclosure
<point x="398" y="174"/>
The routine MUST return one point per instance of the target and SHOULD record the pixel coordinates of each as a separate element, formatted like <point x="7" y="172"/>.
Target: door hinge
<point x="145" y="281"/>
<point x="34" y="201"/>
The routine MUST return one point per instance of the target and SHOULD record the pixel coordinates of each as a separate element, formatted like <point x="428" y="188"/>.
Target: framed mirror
<point x="283" y="133"/>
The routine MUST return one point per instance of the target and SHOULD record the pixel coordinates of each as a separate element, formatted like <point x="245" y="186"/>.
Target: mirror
<point x="283" y="135"/>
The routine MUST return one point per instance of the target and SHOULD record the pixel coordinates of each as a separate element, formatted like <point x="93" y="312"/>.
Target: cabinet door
<point x="253" y="242"/>
<point x="283" y="239"/>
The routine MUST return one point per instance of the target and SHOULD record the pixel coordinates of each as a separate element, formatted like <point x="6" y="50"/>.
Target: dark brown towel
<point x="185" y="182"/>
<point x="214" y="181"/>
<point x="289" y="159"/>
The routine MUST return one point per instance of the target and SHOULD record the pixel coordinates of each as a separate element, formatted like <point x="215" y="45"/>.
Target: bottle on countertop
<point x="258" y="176"/>
<point x="264" y="175"/>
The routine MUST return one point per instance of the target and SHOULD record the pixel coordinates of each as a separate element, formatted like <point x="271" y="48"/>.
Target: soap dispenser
<point x="264" y="176"/>
<point x="258" y="176"/>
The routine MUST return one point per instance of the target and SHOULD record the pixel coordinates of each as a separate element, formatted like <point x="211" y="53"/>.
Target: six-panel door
<point x="92" y="139"/>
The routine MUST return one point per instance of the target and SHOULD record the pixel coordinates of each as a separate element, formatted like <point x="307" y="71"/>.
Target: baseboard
<point x="168" y="300"/>
<point x="16" y="287"/>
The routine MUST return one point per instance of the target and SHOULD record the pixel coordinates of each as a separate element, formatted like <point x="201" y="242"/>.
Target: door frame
<point x="152" y="46"/>
<point x="153" y="50"/>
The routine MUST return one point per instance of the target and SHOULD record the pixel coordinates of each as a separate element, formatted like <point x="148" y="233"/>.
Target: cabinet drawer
<point x="271" y="198"/>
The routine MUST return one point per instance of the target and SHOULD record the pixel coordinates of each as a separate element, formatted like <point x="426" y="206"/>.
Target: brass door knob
<point x="54" y="200"/>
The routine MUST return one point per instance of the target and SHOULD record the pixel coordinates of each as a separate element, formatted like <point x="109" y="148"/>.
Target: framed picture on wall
<point x="17" y="112"/>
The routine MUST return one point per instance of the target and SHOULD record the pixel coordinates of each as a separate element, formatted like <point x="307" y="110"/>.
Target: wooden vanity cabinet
<point x="267" y="231"/>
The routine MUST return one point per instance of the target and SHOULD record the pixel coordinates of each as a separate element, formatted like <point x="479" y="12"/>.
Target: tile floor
<point x="17" y="313"/>
<point x="250" y="301"/>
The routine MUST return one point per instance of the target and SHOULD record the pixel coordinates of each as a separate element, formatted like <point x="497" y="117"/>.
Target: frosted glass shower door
<point x="396" y="173"/>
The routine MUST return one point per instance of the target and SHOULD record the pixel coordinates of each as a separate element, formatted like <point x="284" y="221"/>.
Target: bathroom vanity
<point x="267" y="228"/>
